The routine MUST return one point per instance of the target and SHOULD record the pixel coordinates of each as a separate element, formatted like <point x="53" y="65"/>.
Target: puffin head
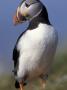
<point x="27" y="10"/>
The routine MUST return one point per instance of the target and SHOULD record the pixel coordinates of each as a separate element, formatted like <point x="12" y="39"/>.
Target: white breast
<point x="37" y="48"/>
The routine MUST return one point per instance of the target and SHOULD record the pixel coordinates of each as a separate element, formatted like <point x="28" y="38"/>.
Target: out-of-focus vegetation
<point x="57" y="79"/>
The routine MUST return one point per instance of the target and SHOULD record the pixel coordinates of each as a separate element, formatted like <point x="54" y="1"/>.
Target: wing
<point x="16" y="54"/>
<point x="15" y="59"/>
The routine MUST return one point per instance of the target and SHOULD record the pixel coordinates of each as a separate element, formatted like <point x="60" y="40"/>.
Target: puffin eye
<point x="27" y="5"/>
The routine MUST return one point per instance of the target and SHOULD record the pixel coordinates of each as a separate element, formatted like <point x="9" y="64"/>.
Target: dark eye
<point x="27" y="5"/>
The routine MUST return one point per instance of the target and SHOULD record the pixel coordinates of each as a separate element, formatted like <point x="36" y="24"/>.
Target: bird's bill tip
<point x="15" y="20"/>
<point x="18" y="20"/>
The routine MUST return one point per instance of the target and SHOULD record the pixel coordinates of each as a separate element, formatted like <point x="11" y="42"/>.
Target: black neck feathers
<point x="41" y="18"/>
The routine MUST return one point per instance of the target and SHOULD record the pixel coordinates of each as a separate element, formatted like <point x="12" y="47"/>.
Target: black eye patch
<point x="27" y="5"/>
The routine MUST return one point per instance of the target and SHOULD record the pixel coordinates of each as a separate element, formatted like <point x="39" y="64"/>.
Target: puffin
<point x="35" y="48"/>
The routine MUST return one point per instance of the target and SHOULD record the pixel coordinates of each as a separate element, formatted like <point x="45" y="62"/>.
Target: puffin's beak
<point x="19" y="19"/>
<point x="15" y="20"/>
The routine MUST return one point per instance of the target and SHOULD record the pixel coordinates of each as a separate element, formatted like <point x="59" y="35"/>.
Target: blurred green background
<point x="57" y="79"/>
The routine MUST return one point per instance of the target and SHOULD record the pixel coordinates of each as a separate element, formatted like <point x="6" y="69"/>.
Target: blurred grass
<point x="57" y="79"/>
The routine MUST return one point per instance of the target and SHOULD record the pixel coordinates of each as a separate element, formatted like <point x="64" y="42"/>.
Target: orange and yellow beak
<point x="15" y="20"/>
<point x="18" y="19"/>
